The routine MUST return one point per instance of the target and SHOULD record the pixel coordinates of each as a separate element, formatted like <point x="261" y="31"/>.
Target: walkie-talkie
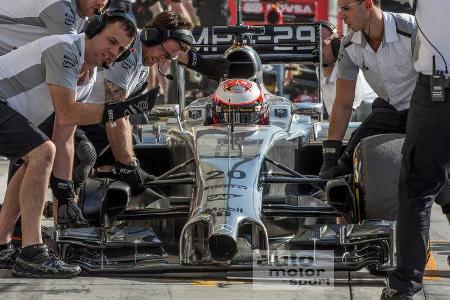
<point x="437" y="84"/>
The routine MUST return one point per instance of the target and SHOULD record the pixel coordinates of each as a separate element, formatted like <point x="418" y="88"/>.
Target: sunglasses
<point x="166" y="53"/>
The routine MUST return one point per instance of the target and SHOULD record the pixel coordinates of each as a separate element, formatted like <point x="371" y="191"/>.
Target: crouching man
<point x="36" y="80"/>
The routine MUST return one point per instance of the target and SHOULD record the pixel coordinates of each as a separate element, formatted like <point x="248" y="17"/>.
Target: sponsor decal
<point x="295" y="9"/>
<point x="226" y="211"/>
<point x="142" y="105"/>
<point x="279" y="39"/>
<point x="235" y="174"/>
<point x="128" y="63"/>
<point x="328" y="150"/>
<point x="256" y="7"/>
<point x="217" y="197"/>
<point x="218" y="186"/>
<point x="69" y="18"/>
<point x="143" y="74"/>
<point x="308" y="111"/>
<point x="222" y="228"/>
<point x="195" y="114"/>
<point x="281" y="113"/>
<point x="110" y="115"/>
<point x="70" y="60"/>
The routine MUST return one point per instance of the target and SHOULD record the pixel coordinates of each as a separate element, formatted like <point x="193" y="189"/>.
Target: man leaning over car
<point x="44" y="81"/>
<point x="380" y="44"/>
<point x="113" y="143"/>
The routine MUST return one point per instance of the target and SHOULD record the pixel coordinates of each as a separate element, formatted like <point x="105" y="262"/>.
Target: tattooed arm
<point x="119" y="136"/>
<point x="113" y="93"/>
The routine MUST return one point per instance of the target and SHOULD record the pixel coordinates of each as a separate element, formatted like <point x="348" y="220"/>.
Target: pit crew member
<point x="23" y="21"/>
<point x="167" y="37"/>
<point x="426" y="151"/>
<point x="380" y="45"/>
<point x="364" y="95"/>
<point x="45" y="80"/>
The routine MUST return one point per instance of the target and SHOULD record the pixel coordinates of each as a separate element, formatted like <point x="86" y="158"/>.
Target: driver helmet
<point x="241" y="99"/>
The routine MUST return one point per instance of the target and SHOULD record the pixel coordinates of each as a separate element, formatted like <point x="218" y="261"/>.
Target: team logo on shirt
<point x="128" y="63"/>
<point x="69" y="19"/>
<point x="70" y="60"/>
<point x="142" y="74"/>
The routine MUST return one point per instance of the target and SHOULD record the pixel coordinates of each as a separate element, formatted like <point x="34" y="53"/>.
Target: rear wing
<point x="293" y="43"/>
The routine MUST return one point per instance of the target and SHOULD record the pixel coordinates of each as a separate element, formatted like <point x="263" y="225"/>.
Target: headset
<point x="108" y="4"/>
<point x="152" y="36"/>
<point x="336" y="41"/>
<point x="95" y="24"/>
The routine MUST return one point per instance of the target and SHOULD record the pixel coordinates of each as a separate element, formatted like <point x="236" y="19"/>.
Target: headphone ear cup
<point x="124" y="55"/>
<point x="182" y="35"/>
<point x="150" y="36"/>
<point x="335" y="45"/>
<point x="94" y="25"/>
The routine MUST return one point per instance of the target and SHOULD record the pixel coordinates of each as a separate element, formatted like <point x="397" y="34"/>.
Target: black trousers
<point x="424" y="171"/>
<point x="384" y="118"/>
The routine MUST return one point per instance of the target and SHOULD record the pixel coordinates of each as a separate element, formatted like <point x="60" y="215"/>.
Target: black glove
<point x="133" y="175"/>
<point x="131" y="106"/>
<point x="331" y="151"/>
<point x="68" y="211"/>
<point x="213" y="68"/>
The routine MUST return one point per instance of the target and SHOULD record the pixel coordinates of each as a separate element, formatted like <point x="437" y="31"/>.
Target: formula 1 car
<point x="235" y="178"/>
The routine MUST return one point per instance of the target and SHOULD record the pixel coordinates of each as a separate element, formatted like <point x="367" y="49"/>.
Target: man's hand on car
<point x="133" y="175"/>
<point x="213" y="68"/>
<point x="331" y="151"/>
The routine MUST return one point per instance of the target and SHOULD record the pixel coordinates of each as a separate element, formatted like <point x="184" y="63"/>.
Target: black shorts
<point x="18" y="136"/>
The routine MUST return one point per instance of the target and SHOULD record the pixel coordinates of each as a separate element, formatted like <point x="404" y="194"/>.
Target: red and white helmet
<point x="241" y="99"/>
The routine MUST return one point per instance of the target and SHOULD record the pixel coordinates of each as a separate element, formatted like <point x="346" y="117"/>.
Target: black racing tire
<point x="378" y="160"/>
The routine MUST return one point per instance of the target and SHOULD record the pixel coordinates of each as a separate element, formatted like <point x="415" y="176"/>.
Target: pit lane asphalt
<point x="362" y="285"/>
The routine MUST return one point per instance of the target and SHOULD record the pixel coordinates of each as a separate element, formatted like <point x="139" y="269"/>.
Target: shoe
<point x="43" y="265"/>
<point x="8" y="257"/>
<point x="389" y="293"/>
<point x="70" y="214"/>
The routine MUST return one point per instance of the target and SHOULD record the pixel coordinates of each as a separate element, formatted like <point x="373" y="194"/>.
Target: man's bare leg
<point x="63" y="137"/>
<point x="10" y="211"/>
<point x="33" y="191"/>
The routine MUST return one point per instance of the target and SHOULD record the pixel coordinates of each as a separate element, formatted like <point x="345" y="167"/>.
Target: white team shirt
<point x="55" y="59"/>
<point x="363" y="92"/>
<point x="23" y="21"/>
<point x="389" y="71"/>
<point x="434" y="22"/>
